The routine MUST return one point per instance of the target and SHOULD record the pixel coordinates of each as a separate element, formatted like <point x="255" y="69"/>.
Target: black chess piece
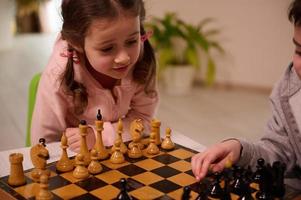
<point x="238" y="182"/>
<point x="83" y="122"/>
<point x="265" y="184"/>
<point x="98" y="116"/>
<point x="215" y="190"/>
<point x="123" y="194"/>
<point x="246" y="190"/>
<point x="42" y="141"/>
<point x="278" y="189"/>
<point x="227" y="191"/>
<point x="186" y="193"/>
<point x="259" y="170"/>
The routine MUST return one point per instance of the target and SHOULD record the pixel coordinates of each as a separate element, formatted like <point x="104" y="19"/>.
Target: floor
<point x="205" y="115"/>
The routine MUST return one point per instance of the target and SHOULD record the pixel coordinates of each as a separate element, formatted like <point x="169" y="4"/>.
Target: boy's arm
<point x="274" y="145"/>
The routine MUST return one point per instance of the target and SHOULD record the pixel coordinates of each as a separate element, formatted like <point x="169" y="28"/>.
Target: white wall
<point x="6" y="24"/>
<point x="256" y="35"/>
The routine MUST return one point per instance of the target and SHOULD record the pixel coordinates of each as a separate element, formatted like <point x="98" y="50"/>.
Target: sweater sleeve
<point x="273" y="146"/>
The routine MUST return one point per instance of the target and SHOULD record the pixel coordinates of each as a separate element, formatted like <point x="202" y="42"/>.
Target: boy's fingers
<point x="224" y="163"/>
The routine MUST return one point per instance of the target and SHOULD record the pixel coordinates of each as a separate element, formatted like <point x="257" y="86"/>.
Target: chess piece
<point x="39" y="156"/>
<point x="16" y="177"/>
<point x="152" y="148"/>
<point x="265" y="183"/>
<point x="94" y="166"/>
<point x="167" y="144"/>
<point x="123" y="195"/>
<point x="135" y="151"/>
<point x="136" y="130"/>
<point x="83" y="142"/>
<point x="64" y="164"/>
<point x="102" y="152"/>
<point x="80" y="171"/>
<point x="123" y="147"/>
<point x="44" y="193"/>
<point x="186" y="193"/>
<point x="259" y="170"/>
<point x="215" y="190"/>
<point x="117" y="157"/>
<point x="155" y="127"/>
<point x="238" y="183"/>
<point x="278" y="186"/>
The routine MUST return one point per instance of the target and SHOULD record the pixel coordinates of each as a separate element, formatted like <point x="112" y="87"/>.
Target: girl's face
<point x="112" y="46"/>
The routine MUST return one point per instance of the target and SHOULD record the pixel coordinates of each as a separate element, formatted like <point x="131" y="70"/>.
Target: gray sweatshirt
<point x="282" y="139"/>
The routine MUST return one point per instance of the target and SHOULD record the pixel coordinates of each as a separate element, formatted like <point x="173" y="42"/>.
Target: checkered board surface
<point x="161" y="176"/>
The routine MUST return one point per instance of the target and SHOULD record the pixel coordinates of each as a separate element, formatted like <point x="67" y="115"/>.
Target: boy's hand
<point x="215" y="158"/>
<point x="74" y="138"/>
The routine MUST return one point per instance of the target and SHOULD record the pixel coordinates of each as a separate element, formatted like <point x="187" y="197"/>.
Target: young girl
<point x="101" y="60"/>
<point x="283" y="132"/>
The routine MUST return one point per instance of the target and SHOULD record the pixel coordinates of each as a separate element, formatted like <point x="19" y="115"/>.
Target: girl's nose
<point x="122" y="58"/>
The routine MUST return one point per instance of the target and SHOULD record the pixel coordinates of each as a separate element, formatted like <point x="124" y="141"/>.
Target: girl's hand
<point x="215" y="157"/>
<point x="73" y="136"/>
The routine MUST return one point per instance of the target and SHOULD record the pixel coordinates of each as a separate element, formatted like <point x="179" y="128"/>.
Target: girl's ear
<point x="77" y="48"/>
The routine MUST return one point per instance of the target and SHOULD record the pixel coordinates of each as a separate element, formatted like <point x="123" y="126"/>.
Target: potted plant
<point x="178" y="45"/>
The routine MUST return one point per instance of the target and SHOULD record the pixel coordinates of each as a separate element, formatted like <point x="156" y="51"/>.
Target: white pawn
<point x="80" y="171"/>
<point x="117" y="157"/>
<point x="44" y="193"/>
<point x="152" y="148"/>
<point x="167" y="143"/>
<point x="94" y="166"/>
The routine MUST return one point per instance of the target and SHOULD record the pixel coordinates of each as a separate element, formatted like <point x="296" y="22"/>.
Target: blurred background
<point x="242" y="49"/>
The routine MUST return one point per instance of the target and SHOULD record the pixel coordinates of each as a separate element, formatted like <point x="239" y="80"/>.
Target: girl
<point x="101" y="60"/>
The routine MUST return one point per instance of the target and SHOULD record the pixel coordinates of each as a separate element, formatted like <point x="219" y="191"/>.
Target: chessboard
<point x="161" y="176"/>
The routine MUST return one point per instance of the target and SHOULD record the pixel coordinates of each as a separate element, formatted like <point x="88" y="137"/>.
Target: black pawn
<point x="123" y="195"/>
<point x="238" y="182"/>
<point x="215" y="189"/>
<point x="83" y="122"/>
<point x="42" y="141"/>
<point x="98" y="116"/>
<point x="278" y="177"/>
<point x="265" y="184"/>
<point x="186" y="193"/>
<point x="259" y="171"/>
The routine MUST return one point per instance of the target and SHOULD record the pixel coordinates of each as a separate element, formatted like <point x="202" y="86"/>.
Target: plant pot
<point x="178" y="79"/>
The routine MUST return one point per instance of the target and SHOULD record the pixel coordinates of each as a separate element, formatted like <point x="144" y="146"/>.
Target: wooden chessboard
<point x="162" y="176"/>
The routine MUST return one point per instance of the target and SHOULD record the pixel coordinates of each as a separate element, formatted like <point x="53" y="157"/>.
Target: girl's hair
<point x="77" y="18"/>
<point x="294" y="12"/>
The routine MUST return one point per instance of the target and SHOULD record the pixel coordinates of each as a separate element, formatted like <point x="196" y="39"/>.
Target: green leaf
<point x="210" y="74"/>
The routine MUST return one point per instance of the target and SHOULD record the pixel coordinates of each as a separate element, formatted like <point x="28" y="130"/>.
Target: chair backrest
<point x="33" y="87"/>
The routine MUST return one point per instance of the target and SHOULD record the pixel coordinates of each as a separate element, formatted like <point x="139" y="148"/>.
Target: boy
<point x="282" y="141"/>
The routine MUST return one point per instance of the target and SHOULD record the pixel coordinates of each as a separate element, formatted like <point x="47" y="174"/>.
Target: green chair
<point x="33" y="87"/>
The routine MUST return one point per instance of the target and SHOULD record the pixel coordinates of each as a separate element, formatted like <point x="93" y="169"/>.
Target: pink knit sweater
<point x="53" y="111"/>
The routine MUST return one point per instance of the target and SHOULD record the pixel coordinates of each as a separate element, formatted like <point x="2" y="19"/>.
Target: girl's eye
<point x="131" y="42"/>
<point x="107" y="49"/>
